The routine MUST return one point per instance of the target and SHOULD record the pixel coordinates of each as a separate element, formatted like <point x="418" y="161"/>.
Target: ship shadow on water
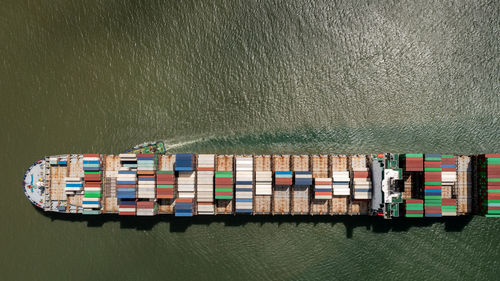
<point x="375" y="224"/>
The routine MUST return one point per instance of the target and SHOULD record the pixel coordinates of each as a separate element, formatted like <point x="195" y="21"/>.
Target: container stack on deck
<point x="205" y="184"/>
<point x="414" y="208"/>
<point x="185" y="185"/>
<point x="433" y="181"/>
<point x="282" y="184"/>
<point x="414" y="162"/>
<point x="448" y="175"/>
<point x="322" y="185"/>
<point x="165" y="182"/>
<point x="73" y="186"/>
<point x="92" y="184"/>
<point x="263" y="184"/>
<point x="303" y="181"/>
<point x="362" y="183"/>
<point x="224" y="184"/>
<point x="464" y="185"/>
<point x="449" y="207"/>
<point x="341" y="185"/>
<point x="489" y="182"/>
<point x="146" y="191"/>
<point x="244" y="184"/>
<point x="126" y="185"/>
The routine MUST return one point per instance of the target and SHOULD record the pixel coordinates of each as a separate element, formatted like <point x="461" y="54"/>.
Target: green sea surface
<point x="245" y="77"/>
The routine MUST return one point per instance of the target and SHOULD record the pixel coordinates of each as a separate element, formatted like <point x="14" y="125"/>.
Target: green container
<point x="429" y="169"/>
<point x="494" y="161"/>
<point x="494" y="212"/>
<point x="223" y="197"/>
<point x="414" y="215"/>
<point x="493" y="180"/>
<point x="93" y="172"/>
<point x="415" y="208"/>
<point x="448" y="208"/>
<point x="165" y="186"/>
<point x="433" y="159"/>
<point x="447" y="156"/>
<point x="223" y="190"/>
<point x="494" y="201"/>
<point x="414" y="155"/>
<point x="165" y="172"/>
<point x="493" y="190"/>
<point x="223" y="174"/>
<point x="432" y="183"/>
<point x="92" y="195"/>
<point x="432" y="197"/>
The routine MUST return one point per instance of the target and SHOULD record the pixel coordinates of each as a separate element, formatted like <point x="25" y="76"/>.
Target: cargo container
<point x="320" y="170"/>
<point x="244" y="184"/>
<point x="263" y="184"/>
<point x="341" y="185"/>
<point x="302" y="184"/>
<point x="205" y="184"/>
<point x="282" y="184"/>
<point x="224" y="184"/>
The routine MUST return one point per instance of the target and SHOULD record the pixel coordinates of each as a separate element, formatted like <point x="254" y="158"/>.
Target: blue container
<point x="183" y="214"/>
<point x="125" y="189"/>
<point x="91" y="162"/>
<point x="340" y="182"/>
<point x="127" y="202"/>
<point x="244" y="211"/>
<point x="91" y="168"/>
<point x="125" y="195"/>
<point x="127" y="172"/>
<point x="433" y="191"/>
<point x="433" y="194"/>
<point x="362" y="190"/>
<point x="145" y="179"/>
<point x="432" y="155"/>
<point x="244" y="182"/>
<point x="303" y="173"/>
<point x="183" y="168"/>
<point x="448" y="166"/>
<point x="323" y="190"/>
<point x="125" y="182"/>
<point x="433" y="215"/>
<point x="303" y="181"/>
<point x="284" y="173"/>
<point x="249" y="200"/>
<point x="243" y="189"/>
<point x="74" y="185"/>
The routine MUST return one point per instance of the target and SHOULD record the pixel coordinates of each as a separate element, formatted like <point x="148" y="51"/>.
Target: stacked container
<point x="244" y="184"/>
<point x="449" y="207"/>
<point x="223" y="185"/>
<point x="323" y="188"/>
<point x="92" y="184"/>
<point x="433" y="181"/>
<point x="146" y="208"/>
<point x="302" y="184"/>
<point x="492" y="183"/>
<point x="184" y="162"/>
<point x="341" y="181"/>
<point x="205" y="184"/>
<point x="126" y="185"/>
<point x="464" y="185"/>
<point x="283" y="178"/>
<point x="165" y="182"/>
<point x="414" y="208"/>
<point x="73" y="185"/>
<point x="414" y="162"/>
<point x="320" y="171"/>
<point x="362" y="184"/>
<point x="263" y="184"/>
<point x="184" y="207"/>
<point x="146" y="176"/>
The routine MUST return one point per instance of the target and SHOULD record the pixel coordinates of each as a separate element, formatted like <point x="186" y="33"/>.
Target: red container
<point x="433" y="187"/>
<point x="492" y="208"/>
<point x="323" y="193"/>
<point x="317" y="182"/>
<point x="164" y="196"/>
<point x="493" y="195"/>
<point x="145" y="204"/>
<point x="205" y="168"/>
<point x="492" y="155"/>
<point x="414" y="212"/>
<point x="434" y="178"/>
<point x="92" y="177"/>
<point x="126" y="213"/>
<point x="361" y="174"/>
<point x="419" y="201"/>
<point x="146" y="155"/>
<point x="283" y="181"/>
<point x="432" y="164"/>
<point x="223" y="193"/>
<point x="223" y="181"/>
<point x="497" y="184"/>
<point x="449" y="202"/>
<point x="223" y="186"/>
<point x="91" y="155"/>
<point x="184" y="200"/>
<point x="152" y="173"/>
<point x="449" y="169"/>
<point x="164" y="182"/>
<point x="92" y="184"/>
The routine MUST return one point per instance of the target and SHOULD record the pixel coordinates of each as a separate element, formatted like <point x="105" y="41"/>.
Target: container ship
<point x="148" y="181"/>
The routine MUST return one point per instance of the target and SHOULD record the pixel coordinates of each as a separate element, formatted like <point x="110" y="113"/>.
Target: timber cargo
<point x="187" y="184"/>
